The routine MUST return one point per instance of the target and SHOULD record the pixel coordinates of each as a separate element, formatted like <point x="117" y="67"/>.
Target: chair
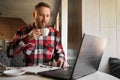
<point x="3" y="58"/>
<point x="17" y="61"/>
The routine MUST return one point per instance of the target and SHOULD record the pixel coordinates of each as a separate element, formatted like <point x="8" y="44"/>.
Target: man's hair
<point x="41" y="4"/>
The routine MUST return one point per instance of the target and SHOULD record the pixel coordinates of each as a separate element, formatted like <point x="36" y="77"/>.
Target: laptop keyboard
<point x="66" y="71"/>
<point x="58" y="73"/>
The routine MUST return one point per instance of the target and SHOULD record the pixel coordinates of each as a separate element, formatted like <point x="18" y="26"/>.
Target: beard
<point x="40" y="25"/>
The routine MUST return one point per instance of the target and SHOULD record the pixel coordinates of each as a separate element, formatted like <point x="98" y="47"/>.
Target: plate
<point x="14" y="72"/>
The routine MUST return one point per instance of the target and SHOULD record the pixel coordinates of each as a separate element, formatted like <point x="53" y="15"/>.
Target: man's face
<point x="41" y="17"/>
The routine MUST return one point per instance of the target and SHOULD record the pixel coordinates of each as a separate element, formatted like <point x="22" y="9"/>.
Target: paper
<point x="36" y="69"/>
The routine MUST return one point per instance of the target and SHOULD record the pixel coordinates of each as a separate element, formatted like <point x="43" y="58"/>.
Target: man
<point x="38" y="48"/>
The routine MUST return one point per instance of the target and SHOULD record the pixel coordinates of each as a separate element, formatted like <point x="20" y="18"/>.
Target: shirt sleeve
<point x="15" y="47"/>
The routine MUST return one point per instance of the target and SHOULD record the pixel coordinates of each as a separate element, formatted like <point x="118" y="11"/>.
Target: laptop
<point x="87" y="60"/>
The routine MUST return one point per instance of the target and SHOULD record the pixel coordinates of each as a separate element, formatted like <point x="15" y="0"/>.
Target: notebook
<point x="87" y="60"/>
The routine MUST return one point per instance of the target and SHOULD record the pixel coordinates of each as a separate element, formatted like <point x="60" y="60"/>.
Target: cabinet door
<point x="9" y="26"/>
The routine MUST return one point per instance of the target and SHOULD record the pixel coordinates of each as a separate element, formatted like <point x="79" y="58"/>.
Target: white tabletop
<point x="94" y="76"/>
<point x="99" y="76"/>
<point x="25" y="77"/>
<point x="29" y="75"/>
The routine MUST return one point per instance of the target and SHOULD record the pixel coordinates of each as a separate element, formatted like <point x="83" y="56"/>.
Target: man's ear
<point x="33" y="14"/>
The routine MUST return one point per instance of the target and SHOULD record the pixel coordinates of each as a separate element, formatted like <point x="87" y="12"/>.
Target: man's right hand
<point x="34" y="34"/>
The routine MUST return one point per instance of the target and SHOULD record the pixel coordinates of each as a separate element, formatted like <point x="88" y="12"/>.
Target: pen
<point x="44" y="66"/>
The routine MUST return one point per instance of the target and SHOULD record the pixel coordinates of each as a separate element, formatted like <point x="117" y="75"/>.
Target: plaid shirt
<point x="41" y="50"/>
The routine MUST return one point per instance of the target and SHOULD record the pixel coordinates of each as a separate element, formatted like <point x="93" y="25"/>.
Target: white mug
<point x="45" y="31"/>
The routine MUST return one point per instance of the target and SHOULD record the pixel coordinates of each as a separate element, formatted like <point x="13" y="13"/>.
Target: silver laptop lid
<point x="90" y="54"/>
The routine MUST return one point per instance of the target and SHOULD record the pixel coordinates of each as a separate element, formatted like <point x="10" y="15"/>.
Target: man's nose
<point x="44" y="18"/>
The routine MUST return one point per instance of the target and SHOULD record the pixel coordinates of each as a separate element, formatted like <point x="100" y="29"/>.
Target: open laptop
<point x="87" y="60"/>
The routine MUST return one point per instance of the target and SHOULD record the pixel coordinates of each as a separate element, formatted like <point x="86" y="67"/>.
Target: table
<point x="25" y="77"/>
<point x="99" y="76"/>
<point x="94" y="76"/>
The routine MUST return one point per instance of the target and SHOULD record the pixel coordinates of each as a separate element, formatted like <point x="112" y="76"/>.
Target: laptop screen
<point x="89" y="56"/>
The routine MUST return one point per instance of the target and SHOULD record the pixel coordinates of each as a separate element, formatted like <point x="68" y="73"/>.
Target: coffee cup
<point x="45" y="31"/>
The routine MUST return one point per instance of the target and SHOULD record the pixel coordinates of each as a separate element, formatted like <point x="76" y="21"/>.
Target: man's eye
<point x="40" y="15"/>
<point x="47" y="15"/>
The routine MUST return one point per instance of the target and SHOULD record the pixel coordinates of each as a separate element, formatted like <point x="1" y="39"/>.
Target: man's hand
<point x="35" y="33"/>
<point x="60" y="63"/>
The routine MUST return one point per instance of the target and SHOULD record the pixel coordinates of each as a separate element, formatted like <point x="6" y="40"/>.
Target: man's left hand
<point x="60" y="63"/>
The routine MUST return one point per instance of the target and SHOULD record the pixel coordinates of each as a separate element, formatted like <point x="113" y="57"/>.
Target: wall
<point x="102" y="17"/>
<point x="23" y="9"/>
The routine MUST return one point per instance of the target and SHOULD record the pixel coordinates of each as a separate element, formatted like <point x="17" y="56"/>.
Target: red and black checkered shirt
<point x="41" y="50"/>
